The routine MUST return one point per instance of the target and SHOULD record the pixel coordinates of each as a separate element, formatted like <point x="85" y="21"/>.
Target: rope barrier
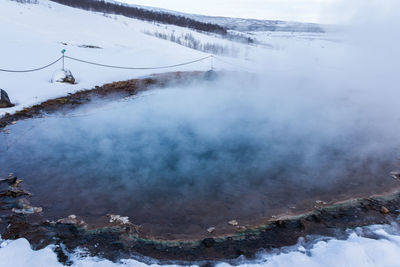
<point x="120" y="67"/>
<point x="104" y="65"/>
<point x="231" y="64"/>
<point x="32" y="70"/>
<point x="137" y="68"/>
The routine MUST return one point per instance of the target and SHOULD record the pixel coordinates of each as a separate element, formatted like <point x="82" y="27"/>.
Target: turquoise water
<point x="178" y="162"/>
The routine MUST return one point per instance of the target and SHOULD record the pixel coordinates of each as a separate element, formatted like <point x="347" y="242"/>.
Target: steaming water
<point x="182" y="159"/>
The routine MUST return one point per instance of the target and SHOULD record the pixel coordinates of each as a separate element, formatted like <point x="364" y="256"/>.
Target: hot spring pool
<point x="180" y="160"/>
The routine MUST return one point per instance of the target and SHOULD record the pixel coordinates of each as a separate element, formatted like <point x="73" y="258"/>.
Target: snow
<point x="356" y="250"/>
<point x="36" y="34"/>
<point x="119" y="219"/>
<point x="18" y="253"/>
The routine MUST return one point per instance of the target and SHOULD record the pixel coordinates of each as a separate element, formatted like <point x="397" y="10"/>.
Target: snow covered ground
<point x="33" y="36"/>
<point x="379" y="249"/>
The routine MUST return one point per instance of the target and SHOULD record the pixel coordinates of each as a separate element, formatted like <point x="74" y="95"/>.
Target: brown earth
<point x="110" y="91"/>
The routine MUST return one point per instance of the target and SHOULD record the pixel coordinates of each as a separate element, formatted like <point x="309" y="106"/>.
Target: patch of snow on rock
<point x="63" y="76"/>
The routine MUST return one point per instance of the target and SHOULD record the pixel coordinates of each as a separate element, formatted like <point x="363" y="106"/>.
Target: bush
<point x="190" y="41"/>
<point x="27" y="1"/>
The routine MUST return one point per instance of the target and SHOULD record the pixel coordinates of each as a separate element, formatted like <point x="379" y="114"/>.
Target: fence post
<point x="63" y="59"/>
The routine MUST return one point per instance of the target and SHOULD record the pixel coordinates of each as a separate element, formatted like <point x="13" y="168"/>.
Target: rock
<point x="302" y="249"/>
<point x="233" y="223"/>
<point x="28" y="210"/>
<point x="24" y="207"/>
<point x="395" y="175"/>
<point x="63" y="76"/>
<point x="118" y="219"/>
<point x="5" y="100"/>
<point x="384" y="210"/>
<point x="11" y="180"/>
<point x="72" y="219"/>
<point x="241" y="228"/>
<point x="208" y="242"/>
<point x="14" y="193"/>
<point x="320" y="202"/>
<point x="211" y="230"/>
<point x="210" y="75"/>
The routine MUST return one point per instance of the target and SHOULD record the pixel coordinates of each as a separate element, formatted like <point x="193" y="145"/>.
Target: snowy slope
<point x="241" y="24"/>
<point x="34" y="35"/>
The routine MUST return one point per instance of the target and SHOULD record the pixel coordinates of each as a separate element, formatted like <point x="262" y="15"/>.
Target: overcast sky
<point x="293" y="10"/>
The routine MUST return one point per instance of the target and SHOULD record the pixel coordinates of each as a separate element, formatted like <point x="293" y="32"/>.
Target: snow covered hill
<point x="241" y="24"/>
<point x="34" y="34"/>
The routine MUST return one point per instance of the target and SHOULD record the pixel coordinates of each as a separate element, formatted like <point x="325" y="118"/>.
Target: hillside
<point x="237" y="24"/>
<point x="36" y="33"/>
<point x="31" y="42"/>
<point x="116" y="8"/>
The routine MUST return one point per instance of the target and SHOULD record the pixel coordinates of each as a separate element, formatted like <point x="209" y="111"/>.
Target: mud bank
<point x="110" y="91"/>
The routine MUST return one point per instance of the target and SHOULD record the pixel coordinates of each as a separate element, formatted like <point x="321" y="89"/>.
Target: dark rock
<point x="208" y="242"/>
<point x="210" y="75"/>
<point x="395" y="175"/>
<point x="63" y="76"/>
<point x="5" y="100"/>
<point x="207" y="264"/>
<point x="11" y="180"/>
<point x="61" y="255"/>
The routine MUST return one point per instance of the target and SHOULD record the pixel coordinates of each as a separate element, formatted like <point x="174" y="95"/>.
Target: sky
<point x="292" y="10"/>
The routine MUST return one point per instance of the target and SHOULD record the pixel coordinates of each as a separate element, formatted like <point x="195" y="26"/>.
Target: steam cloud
<point x="266" y="140"/>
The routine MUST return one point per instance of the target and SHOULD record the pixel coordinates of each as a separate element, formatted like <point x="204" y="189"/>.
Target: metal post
<point x="212" y="62"/>
<point x="63" y="59"/>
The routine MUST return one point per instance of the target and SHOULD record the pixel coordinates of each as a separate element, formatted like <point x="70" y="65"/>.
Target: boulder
<point x="5" y="100"/>
<point x="384" y="210"/>
<point x="63" y="76"/>
<point x="211" y="230"/>
<point x="233" y="223"/>
<point x="210" y="75"/>
<point x="395" y="175"/>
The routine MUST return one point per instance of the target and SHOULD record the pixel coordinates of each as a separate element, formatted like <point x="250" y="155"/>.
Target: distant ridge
<point x="241" y="24"/>
<point x="112" y="7"/>
<point x="219" y="25"/>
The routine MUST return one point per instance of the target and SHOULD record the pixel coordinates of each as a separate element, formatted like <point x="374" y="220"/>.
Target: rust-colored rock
<point x="384" y="210"/>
